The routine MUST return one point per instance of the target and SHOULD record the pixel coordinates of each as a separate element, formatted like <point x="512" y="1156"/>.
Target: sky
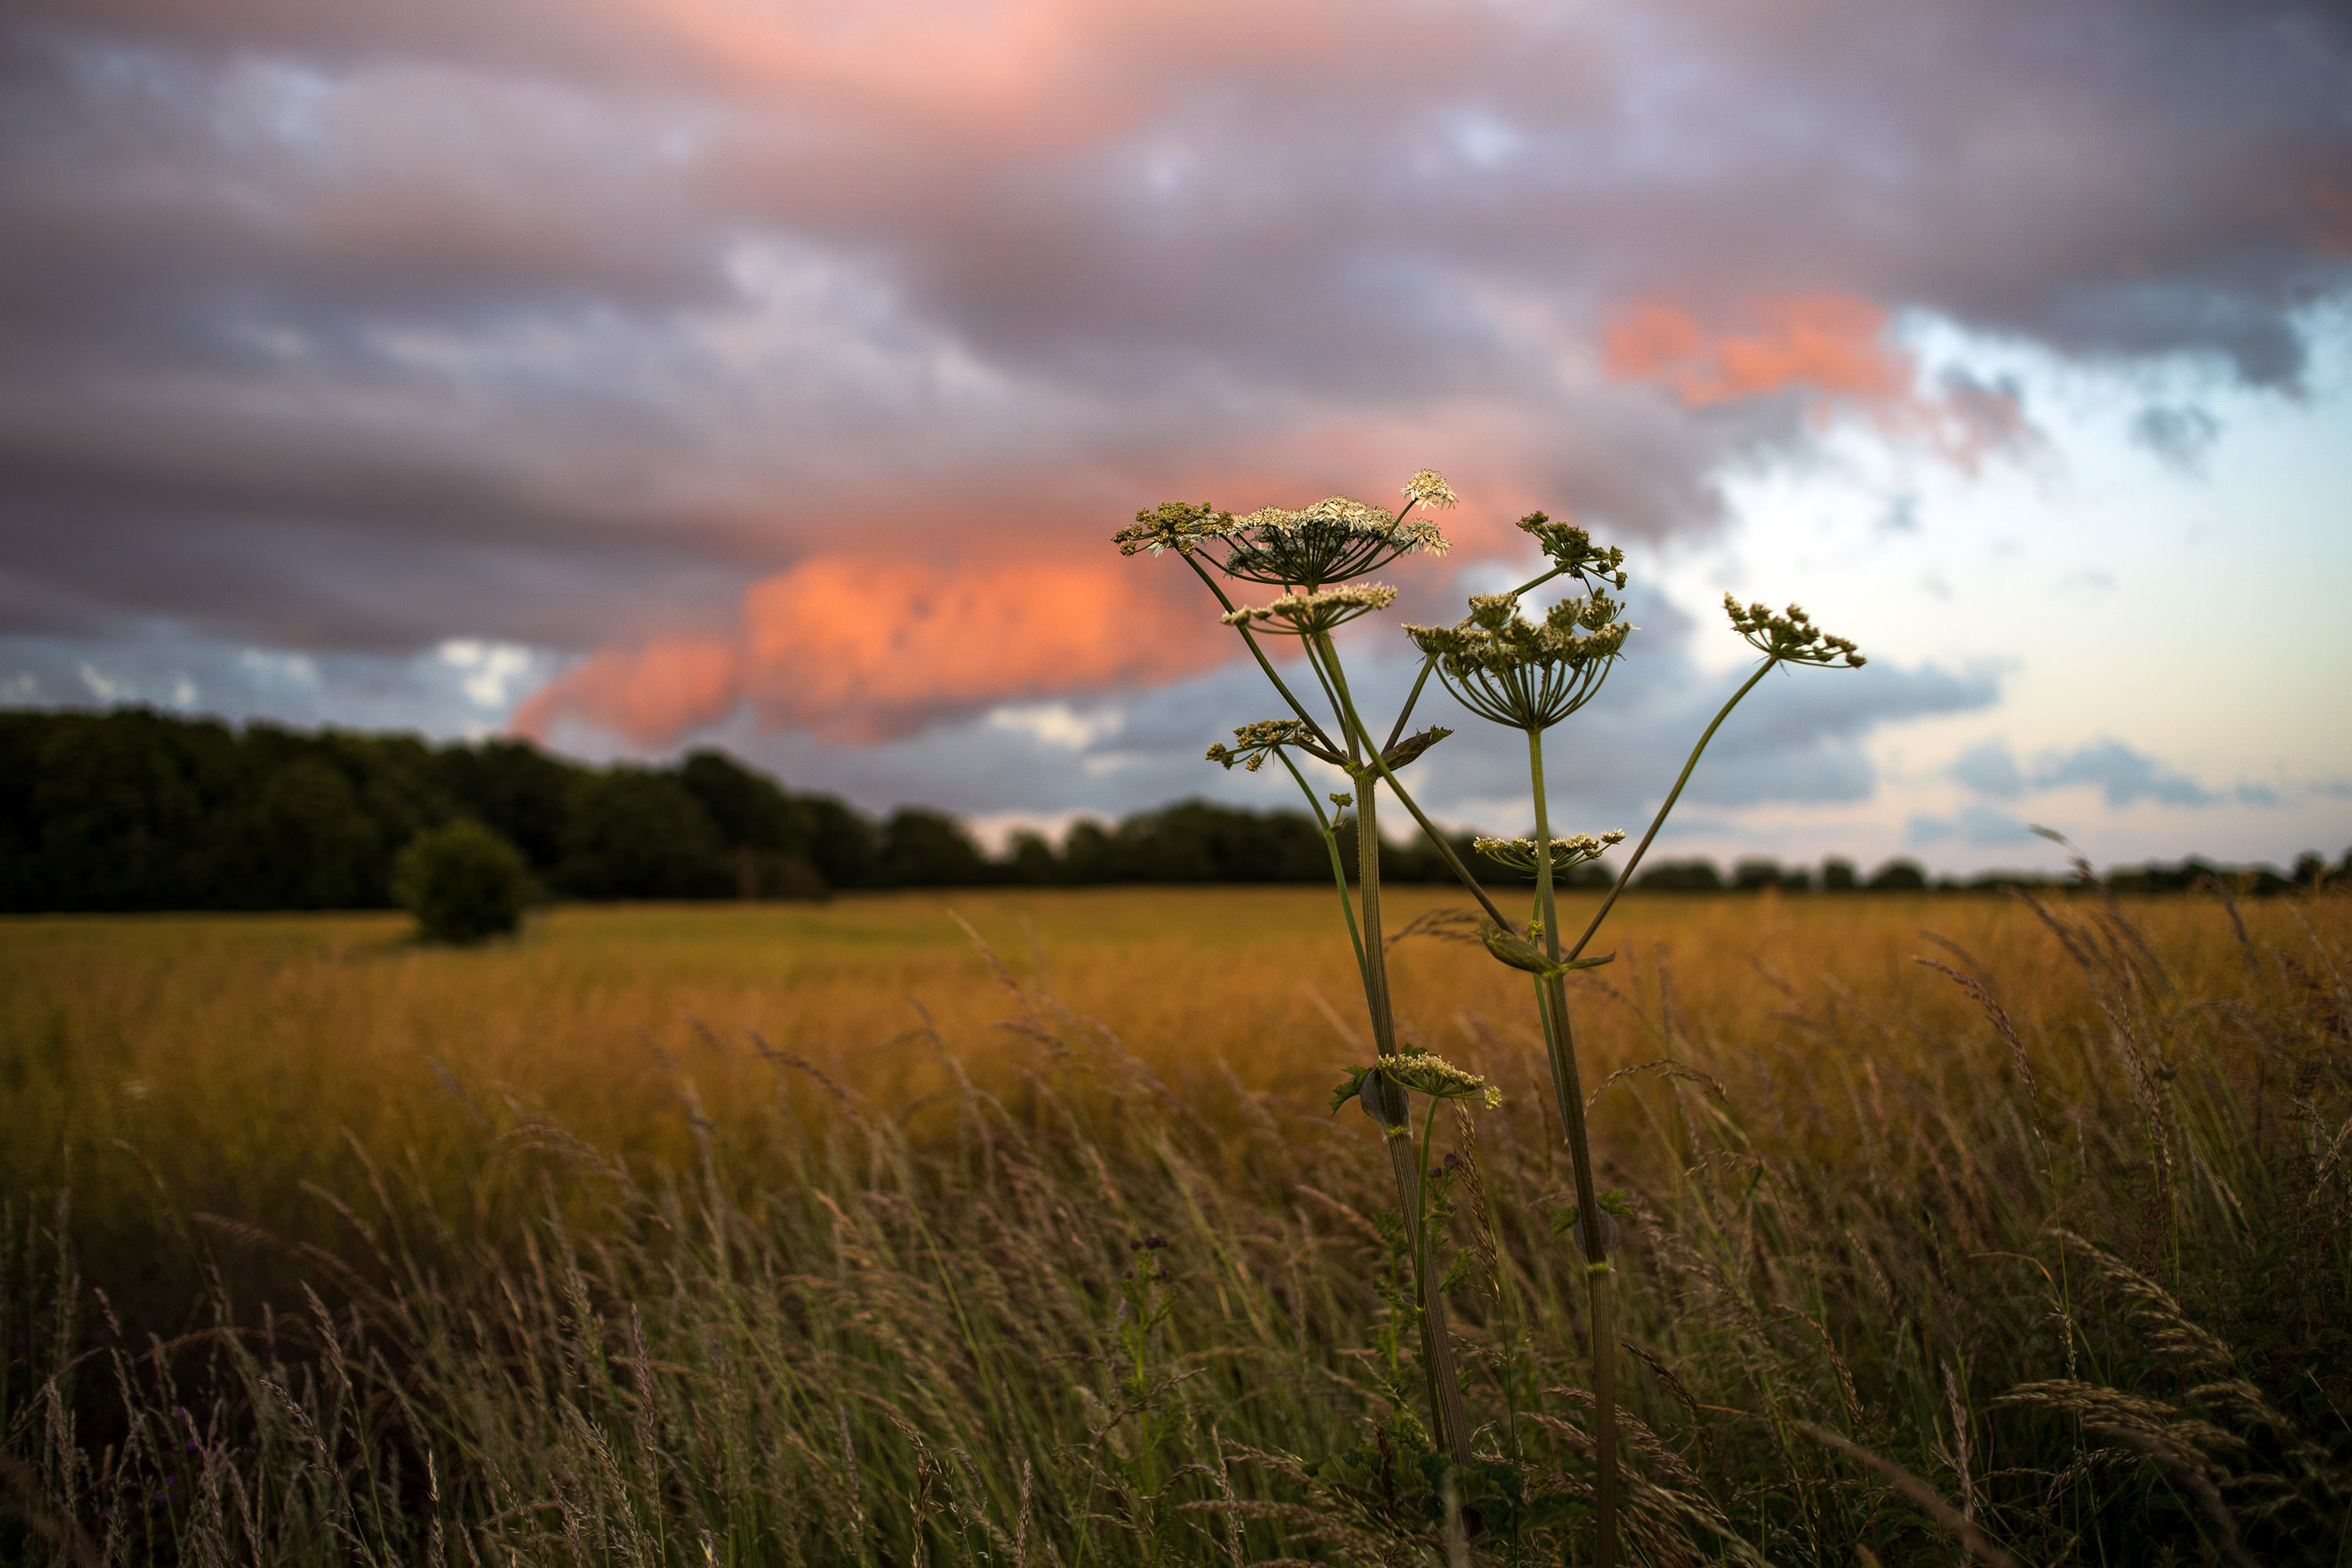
<point x="768" y="374"/>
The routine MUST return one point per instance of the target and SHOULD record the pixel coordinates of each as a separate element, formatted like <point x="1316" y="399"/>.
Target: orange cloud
<point x="649" y="695"/>
<point x="1832" y="343"/>
<point x="1034" y="74"/>
<point x="860" y="648"/>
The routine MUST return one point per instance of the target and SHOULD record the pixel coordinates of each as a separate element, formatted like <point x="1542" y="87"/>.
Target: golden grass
<point x="231" y="1052"/>
<point x="640" y="1290"/>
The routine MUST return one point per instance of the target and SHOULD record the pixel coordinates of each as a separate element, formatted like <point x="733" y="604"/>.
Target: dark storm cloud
<point x="613" y="326"/>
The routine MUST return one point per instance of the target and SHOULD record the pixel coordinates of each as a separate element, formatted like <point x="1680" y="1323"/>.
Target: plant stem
<point x="1626" y="877"/>
<point x="1320" y="652"/>
<point x="1436" y="1342"/>
<point x="1412" y="697"/>
<point x="1263" y="663"/>
<point x="1429" y="663"/>
<point x="1567" y="1086"/>
<point x="1355" y="724"/>
<point x="1338" y="866"/>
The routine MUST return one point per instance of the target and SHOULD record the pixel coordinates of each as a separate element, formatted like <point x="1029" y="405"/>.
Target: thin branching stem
<point x="1430" y="662"/>
<point x="1379" y="764"/>
<point x="1626" y="876"/>
<point x="1338" y="866"/>
<point x="1259" y="654"/>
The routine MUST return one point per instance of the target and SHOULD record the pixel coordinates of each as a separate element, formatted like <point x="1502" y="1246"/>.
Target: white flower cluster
<point x="1304" y="614"/>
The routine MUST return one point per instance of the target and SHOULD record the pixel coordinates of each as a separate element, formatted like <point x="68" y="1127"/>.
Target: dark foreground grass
<point x="2030" y="1265"/>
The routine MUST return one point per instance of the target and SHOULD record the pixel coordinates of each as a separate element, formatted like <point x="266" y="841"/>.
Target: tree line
<point x="136" y="810"/>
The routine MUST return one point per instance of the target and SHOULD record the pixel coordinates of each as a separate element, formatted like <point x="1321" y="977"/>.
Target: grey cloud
<point x="2122" y="775"/>
<point x="1978" y="824"/>
<point x="1989" y="769"/>
<point x="458" y="690"/>
<point x="2179" y="434"/>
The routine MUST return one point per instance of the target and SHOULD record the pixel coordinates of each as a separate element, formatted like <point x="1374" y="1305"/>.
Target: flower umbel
<point x="1572" y="551"/>
<point x="1332" y="541"/>
<point x="1257" y="741"/>
<point x="1173" y="525"/>
<point x="1429" y="487"/>
<point x="1311" y="613"/>
<point x="1519" y="853"/>
<point x="1527" y="674"/>
<point x="1791" y="639"/>
<point x="1421" y="1072"/>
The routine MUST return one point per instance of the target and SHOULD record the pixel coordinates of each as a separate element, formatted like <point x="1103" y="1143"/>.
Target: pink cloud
<point x="860" y="648"/>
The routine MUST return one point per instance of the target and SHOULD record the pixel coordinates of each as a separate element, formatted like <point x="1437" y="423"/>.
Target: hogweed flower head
<point x="1257" y="741"/>
<point x="1791" y="639"/>
<point x="1429" y="487"/>
<point x="1527" y="674"/>
<point x="1572" y="551"/>
<point x="1313" y="613"/>
<point x="1336" y="538"/>
<point x="1174" y="525"/>
<point x="1417" y="1071"/>
<point x="1519" y="853"/>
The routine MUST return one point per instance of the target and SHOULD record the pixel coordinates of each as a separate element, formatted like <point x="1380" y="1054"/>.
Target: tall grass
<point x="2042" y="1254"/>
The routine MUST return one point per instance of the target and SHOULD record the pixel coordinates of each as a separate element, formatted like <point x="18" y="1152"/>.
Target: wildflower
<point x="1173" y="525"/>
<point x="1418" y="1071"/>
<point x="1572" y="551"/>
<point x="1527" y="674"/>
<point x="1317" y="611"/>
<point x="1260" y="738"/>
<point x="1791" y="639"/>
<point x="1429" y="487"/>
<point x="1519" y="853"/>
<point x="1334" y="540"/>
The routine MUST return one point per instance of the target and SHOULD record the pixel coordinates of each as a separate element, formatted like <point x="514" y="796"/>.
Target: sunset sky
<point x="642" y="374"/>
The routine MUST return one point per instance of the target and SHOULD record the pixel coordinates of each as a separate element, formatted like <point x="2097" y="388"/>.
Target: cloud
<point x="594" y="328"/>
<point x="1829" y="342"/>
<point x="858" y="650"/>
<point x="2121" y="774"/>
<point x="1989" y="769"/>
<point x="1977" y="824"/>
<point x="2180" y="434"/>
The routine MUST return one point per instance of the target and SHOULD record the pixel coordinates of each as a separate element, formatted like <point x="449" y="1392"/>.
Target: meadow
<point x="1015" y="1227"/>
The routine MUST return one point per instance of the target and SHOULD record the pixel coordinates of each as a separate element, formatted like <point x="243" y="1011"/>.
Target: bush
<point x="462" y="883"/>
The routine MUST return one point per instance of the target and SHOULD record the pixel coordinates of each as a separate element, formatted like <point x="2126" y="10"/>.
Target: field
<point x="811" y="1234"/>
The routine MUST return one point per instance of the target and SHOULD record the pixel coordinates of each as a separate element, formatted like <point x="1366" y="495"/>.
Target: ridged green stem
<point x="1338" y="866"/>
<point x="1436" y="1342"/>
<point x="1567" y="1086"/>
<point x="1259" y="654"/>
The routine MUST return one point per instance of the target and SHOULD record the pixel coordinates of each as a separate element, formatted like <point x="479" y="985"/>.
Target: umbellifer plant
<point x="1527" y="673"/>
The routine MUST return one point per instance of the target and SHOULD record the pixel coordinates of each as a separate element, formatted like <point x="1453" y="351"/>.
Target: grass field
<point x="804" y="1234"/>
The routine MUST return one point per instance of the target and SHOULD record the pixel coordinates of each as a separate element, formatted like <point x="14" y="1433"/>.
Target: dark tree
<point x="1899" y="877"/>
<point x="463" y="882"/>
<point x="637" y="834"/>
<point x="1681" y="877"/>
<point x="923" y="848"/>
